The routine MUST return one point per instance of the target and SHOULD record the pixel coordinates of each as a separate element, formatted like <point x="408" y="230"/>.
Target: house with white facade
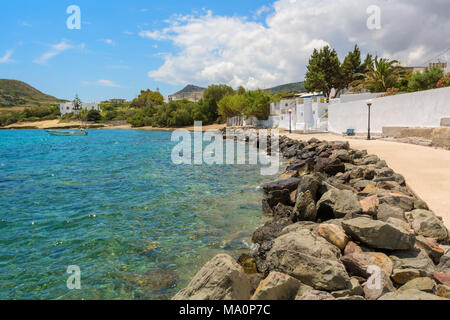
<point x="299" y="114"/>
<point x="68" y="107"/>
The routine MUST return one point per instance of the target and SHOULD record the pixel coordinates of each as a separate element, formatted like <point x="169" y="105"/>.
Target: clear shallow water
<point x="138" y="226"/>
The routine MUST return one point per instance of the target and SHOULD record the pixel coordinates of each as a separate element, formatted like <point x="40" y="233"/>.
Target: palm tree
<point x="382" y="75"/>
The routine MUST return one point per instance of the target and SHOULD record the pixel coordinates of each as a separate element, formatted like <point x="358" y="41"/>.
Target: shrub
<point x="425" y="80"/>
<point x="444" y="81"/>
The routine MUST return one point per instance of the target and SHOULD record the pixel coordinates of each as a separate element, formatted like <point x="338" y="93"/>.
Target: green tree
<point x="77" y="104"/>
<point x="93" y="115"/>
<point x="257" y="104"/>
<point x="207" y="108"/>
<point x="350" y="68"/>
<point x="382" y="75"/>
<point x="425" y="80"/>
<point x="323" y="71"/>
<point x="147" y="98"/>
<point x="231" y="106"/>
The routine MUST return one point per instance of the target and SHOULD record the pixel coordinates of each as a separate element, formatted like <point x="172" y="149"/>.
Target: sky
<point x="123" y="47"/>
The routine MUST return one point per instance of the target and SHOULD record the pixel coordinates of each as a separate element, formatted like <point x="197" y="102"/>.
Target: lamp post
<point x="369" y="104"/>
<point x="290" y="121"/>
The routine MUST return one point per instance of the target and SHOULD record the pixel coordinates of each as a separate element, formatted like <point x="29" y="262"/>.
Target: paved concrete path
<point x="426" y="169"/>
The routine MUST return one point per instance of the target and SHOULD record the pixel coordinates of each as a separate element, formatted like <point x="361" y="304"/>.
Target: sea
<point x="110" y="216"/>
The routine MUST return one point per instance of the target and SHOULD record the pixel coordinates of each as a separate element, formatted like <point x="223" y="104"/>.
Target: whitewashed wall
<point x="418" y="109"/>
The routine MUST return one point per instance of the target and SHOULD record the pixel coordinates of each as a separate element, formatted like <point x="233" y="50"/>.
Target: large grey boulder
<point x="219" y="279"/>
<point x="277" y="286"/>
<point x="413" y="259"/>
<point x="286" y="184"/>
<point x="315" y="295"/>
<point x="338" y="204"/>
<point x="411" y="294"/>
<point x="427" y="224"/>
<point x="334" y="234"/>
<point x="308" y="257"/>
<point x="378" y="234"/>
<point x="305" y="207"/>
<point x="386" y="211"/>
<point x="270" y="230"/>
<point x="378" y="286"/>
<point x="423" y="284"/>
<point x="305" y="204"/>
<point x="444" y="262"/>
<point x="358" y="263"/>
<point x="400" y="201"/>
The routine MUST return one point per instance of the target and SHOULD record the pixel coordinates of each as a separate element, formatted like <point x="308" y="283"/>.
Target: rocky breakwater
<point x="345" y="227"/>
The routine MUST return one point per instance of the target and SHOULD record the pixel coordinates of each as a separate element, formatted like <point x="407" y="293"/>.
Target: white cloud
<point x="109" y="41"/>
<point x="56" y="49"/>
<point x="238" y="51"/>
<point x="155" y="35"/>
<point x="7" y="57"/>
<point x="108" y="83"/>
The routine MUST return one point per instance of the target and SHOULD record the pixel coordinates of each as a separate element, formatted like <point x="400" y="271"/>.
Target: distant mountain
<point x="190" y="88"/>
<point x="14" y="93"/>
<point x="295" y="87"/>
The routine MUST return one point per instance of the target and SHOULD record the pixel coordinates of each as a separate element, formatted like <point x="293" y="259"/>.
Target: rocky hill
<point x="14" y="93"/>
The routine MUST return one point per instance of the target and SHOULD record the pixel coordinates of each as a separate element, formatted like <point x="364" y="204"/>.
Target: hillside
<point x="14" y="93"/>
<point x="190" y="88"/>
<point x="295" y="87"/>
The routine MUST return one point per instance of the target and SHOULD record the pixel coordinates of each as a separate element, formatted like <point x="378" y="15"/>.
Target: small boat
<point x="75" y="132"/>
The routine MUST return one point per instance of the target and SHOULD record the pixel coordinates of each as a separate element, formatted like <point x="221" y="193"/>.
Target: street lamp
<point x="369" y="104"/>
<point x="290" y="121"/>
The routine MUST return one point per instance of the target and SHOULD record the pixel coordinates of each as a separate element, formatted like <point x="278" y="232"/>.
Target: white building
<point x="68" y="107"/>
<point x="304" y="114"/>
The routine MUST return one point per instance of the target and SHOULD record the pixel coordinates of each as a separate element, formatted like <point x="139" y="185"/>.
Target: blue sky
<point x="126" y="46"/>
<point x="107" y="47"/>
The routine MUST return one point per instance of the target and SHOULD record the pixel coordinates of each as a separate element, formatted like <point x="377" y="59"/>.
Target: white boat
<point x="75" y="132"/>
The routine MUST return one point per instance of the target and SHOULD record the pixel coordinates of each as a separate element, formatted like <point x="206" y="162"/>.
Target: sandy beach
<point x="52" y="124"/>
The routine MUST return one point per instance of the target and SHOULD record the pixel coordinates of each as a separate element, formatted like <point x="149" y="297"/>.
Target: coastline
<point x="336" y="211"/>
<point x="56" y="124"/>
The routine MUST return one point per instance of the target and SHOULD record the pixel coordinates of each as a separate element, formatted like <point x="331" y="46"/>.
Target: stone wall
<point x="439" y="137"/>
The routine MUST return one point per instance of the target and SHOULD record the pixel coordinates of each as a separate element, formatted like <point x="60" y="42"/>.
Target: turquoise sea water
<point x="138" y="226"/>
